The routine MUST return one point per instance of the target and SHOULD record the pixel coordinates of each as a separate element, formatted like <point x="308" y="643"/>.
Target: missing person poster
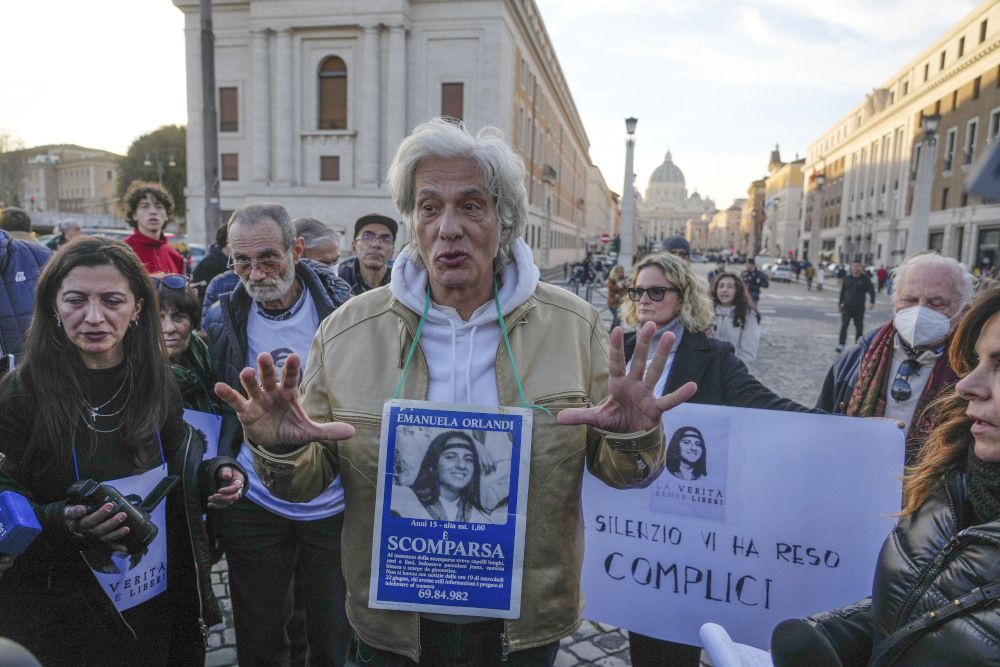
<point x="759" y="516"/>
<point x="449" y="519"/>
<point x="210" y="427"/>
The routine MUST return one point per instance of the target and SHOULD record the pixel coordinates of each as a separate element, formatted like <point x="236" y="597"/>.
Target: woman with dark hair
<point x="180" y="317"/>
<point x="91" y="398"/>
<point x="686" y="454"/>
<point x="737" y="319"/>
<point x="935" y="594"/>
<point x="447" y="486"/>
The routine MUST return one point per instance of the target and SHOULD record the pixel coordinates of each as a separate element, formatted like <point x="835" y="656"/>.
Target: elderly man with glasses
<point x="899" y="369"/>
<point x="276" y="308"/>
<point x="374" y="238"/>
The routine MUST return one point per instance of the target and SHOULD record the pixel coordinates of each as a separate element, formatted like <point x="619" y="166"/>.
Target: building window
<point x="927" y="70"/>
<point x="949" y="148"/>
<point x="524" y="69"/>
<point x="954" y="99"/>
<point x="109" y="175"/>
<point x="937" y="107"/>
<point x="230" y="167"/>
<point x="971" y="131"/>
<point x="333" y="94"/>
<point x="329" y="168"/>
<point x="452" y="99"/>
<point x="993" y="130"/>
<point x="982" y="32"/>
<point x="942" y="59"/>
<point x="228" y="110"/>
<point x="944" y="198"/>
<point x="961" y="47"/>
<point x="976" y="85"/>
<point x="906" y="87"/>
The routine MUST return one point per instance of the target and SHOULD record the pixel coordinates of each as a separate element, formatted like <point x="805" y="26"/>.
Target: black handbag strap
<point x="899" y="641"/>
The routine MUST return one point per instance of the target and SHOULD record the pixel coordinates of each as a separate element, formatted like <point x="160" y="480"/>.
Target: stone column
<point x="195" y="129"/>
<point x="370" y="110"/>
<point x="284" y="134"/>
<point x="261" y="110"/>
<point x="396" y="91"/>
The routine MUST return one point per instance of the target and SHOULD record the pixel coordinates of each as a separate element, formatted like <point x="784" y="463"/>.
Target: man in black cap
<point x="678" y="245"/>
<point x="374" y="239"/>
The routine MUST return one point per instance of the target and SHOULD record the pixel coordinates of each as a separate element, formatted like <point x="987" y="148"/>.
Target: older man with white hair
<point x="898" y="370"/>
<point x="467" y="308"/>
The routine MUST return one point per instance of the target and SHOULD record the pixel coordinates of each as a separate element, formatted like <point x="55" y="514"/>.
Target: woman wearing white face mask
<point x="897" y="370"/>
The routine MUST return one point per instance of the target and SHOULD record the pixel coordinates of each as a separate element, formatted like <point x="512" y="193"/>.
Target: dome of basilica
<point x="668" y="172"/>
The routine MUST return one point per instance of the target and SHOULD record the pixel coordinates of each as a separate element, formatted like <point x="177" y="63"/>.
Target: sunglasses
<point x="171" y="281"/>
<point x="901" y="390"/>
<point x="655" y="293"/>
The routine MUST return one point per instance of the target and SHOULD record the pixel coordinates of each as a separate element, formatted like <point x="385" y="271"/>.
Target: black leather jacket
<point x="932" y="557"/>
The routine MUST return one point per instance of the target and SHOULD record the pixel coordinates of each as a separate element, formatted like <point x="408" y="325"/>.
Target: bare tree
<point x="12" y="159"/>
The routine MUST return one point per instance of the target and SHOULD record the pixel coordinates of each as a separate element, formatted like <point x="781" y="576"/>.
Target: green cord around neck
<point x="503" y="332"/>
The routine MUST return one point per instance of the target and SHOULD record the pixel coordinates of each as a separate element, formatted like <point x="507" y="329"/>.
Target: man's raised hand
<point x="270" y="413"/>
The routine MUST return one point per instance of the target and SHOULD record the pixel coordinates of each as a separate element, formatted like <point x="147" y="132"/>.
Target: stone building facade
<point x="860" y="174"/>
<point x="314" y="98"/>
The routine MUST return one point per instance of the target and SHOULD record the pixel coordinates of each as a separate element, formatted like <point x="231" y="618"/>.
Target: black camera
<point x="141" y="531"/>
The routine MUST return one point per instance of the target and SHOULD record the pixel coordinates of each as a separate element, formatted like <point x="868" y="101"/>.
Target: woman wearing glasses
<point x="935" y="592"/>
<point x="91" y="398"/>
<point x="664" y="290"/>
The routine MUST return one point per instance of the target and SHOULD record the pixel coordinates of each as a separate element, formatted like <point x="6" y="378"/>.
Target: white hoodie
<point x="461" y="356"/>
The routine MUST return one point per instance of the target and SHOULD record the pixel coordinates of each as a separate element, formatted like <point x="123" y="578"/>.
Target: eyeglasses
<point x="655" y="293"/>
<point x="171" y="281"/>
<point x="267" y="265"/>
<point x="901" y="390"/>
<point x="371" y="237"/>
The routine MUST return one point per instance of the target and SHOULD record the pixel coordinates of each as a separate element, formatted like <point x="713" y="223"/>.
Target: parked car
<point x="781" y="273"/>
<point x="197" y="252"/>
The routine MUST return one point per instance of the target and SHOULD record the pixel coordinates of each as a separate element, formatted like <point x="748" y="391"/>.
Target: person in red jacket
<point x="148" y="208"/>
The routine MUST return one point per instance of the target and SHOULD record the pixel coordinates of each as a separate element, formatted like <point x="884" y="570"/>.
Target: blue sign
<point x="449" y="533"/>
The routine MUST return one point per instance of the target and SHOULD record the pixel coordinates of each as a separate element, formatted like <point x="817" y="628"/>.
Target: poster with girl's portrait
<point x="449" y="516"/>
<point x="697" y="460"/>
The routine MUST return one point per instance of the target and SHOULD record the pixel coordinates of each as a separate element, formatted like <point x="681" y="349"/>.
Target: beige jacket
<point x="560" y="349"/>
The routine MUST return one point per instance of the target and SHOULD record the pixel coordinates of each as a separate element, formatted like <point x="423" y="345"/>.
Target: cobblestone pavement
<point x="800" y="330"/>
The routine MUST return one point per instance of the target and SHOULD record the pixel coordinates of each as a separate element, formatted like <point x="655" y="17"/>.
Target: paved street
<point x="800" y="331"/>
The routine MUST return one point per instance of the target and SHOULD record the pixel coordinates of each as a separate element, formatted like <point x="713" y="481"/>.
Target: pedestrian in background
<point x="820" y="277"/>
<point x="20" y="265"/>
<point x="322" y="243"/>
<point x="853" y="289"/>
<point x="215" y="261"/>
<point x="810" y="274"/>
<point x="737" y="320"/>
<point x="148" y="208"/>
<point x="17" y="223"/>
<point x="67" y="229"/>
<point x="754" y="279"/>
<point x="679" y="246"/>
<point x="616" y="293"/>
<point x="882" y="276"/>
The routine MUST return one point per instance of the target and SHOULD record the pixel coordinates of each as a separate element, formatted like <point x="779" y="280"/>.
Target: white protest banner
<point x="760" y="516"/>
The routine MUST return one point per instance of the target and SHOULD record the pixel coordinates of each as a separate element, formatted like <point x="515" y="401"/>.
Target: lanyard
<point x="503" y="331"/>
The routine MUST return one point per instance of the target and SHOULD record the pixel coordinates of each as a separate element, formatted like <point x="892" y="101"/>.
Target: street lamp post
<point x="158" y="157"/>
<point x="627" y="249"/>
<point x="919" y="234"/>
<point x="816" y="225"/>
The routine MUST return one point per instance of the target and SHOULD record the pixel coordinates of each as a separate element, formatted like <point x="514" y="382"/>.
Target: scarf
<point x="870" y="390"/>
<point x="195" y="378"/>
<point x="984" y="487"/>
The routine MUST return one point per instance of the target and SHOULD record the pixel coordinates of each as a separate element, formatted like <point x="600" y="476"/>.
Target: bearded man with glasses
<point x="897" y="370"/>
<point x="374" y="239"/>
<point x="276" y="308"/>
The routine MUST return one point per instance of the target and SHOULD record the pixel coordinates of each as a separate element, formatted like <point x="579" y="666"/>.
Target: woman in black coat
<point x="665" y="291"/>
<point x="937" y="582"/>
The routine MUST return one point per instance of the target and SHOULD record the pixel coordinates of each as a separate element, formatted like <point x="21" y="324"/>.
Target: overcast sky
<point x="718" y="82"/>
